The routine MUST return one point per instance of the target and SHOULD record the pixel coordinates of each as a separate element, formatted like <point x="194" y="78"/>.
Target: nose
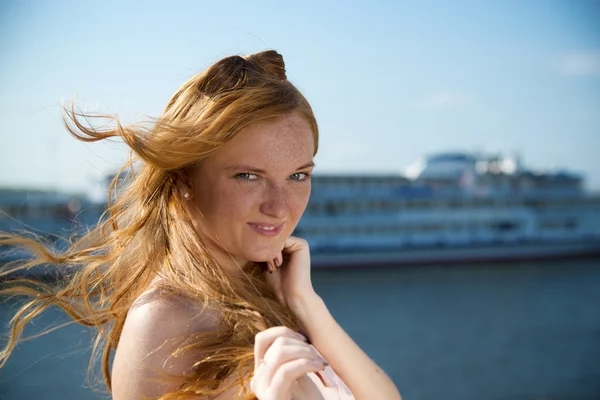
<point x="275" y="202"/>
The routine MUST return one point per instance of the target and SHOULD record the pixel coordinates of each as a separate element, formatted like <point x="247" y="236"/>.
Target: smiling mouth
<point x="266" y="229"/>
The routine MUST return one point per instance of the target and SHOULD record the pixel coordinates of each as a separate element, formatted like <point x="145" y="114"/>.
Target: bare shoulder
<point x="161" y="312"/>
<point x="153" y="326"/>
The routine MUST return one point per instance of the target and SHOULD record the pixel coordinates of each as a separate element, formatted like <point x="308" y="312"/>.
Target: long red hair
<point x="145" y="232"/>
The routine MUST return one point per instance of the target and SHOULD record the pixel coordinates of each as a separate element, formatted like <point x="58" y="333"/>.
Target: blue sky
<point x="389" y="81"/>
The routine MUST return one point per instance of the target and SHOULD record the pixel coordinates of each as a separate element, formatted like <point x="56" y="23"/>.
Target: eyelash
<point x="242" y="178"/>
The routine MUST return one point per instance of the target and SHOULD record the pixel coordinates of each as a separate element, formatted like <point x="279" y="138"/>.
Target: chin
<point x="262" y="255"/>
<point x="261" y="258"/>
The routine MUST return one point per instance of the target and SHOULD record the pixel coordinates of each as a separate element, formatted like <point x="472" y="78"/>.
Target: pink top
<point x="330" y="385"/>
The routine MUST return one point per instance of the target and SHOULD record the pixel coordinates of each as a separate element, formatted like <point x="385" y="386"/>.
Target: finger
<point x="288" y="373"/>
<point x="278" y="260"/>
<point x="293" y="244"/>
<point x="296" y="254"/>
<point x="270" y="266"/>
<point x="264" y="339"/>
<point x="285" y="349"/>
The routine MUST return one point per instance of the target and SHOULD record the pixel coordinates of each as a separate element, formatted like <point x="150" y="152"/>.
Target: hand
<point x="289" y="273"/>
<point x="282" y="358"/>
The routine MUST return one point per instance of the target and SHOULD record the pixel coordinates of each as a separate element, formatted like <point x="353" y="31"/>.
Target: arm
<point x="290" y="279"/>
<point x="364" y="378"/>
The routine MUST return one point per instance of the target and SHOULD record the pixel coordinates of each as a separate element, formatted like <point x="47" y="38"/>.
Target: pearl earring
<point x="186" y="195"/>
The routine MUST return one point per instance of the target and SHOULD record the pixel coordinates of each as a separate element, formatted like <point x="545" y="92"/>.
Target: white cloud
<point x="580" y="64"/>
<point x="445" y="99"/>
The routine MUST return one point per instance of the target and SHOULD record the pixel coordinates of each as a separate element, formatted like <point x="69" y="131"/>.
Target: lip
<point x="256" y="227"/>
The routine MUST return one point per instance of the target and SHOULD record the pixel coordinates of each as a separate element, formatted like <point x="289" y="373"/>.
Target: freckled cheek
<point x="235" y="203"/>
<point x="298" y="201"/>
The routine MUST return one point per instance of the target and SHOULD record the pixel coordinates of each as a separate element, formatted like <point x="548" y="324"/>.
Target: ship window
<point x="373" y="206"/>
<point x="486" y="202"/>
<point x="453" y="204"/>
<point x="456" y="226"/>
<point x="558" y="224"/>
<point x="504" y="226"/>
<point x="330" y="208"/>
<point x="430" y="228"/>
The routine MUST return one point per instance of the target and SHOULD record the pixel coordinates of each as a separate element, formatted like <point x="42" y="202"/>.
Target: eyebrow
<point x="250" y="168"/>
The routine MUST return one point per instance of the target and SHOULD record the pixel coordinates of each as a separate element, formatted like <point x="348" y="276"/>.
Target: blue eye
<point x="300" y="176"/>
<point x="247" y="176"/>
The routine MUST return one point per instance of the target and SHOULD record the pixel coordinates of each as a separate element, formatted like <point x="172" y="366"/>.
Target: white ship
<point x="457" y="207"/>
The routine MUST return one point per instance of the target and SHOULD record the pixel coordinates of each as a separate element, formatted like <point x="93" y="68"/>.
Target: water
<point x="503" y="331"/>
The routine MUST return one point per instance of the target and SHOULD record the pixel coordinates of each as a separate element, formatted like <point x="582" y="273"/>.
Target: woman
<point x="192" y="278"/>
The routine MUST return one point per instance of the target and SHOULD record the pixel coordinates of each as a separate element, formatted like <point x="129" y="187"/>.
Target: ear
<point x="183" y="185"/>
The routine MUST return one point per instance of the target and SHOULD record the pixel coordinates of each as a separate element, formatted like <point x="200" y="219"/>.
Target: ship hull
<point x="455" y="255"/>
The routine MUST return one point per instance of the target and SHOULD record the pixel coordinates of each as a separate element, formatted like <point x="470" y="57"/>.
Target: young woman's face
<point x="250" y="194"/>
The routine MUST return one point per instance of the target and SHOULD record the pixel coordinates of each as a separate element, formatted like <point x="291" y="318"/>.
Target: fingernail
<point x="301" y="337"/>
